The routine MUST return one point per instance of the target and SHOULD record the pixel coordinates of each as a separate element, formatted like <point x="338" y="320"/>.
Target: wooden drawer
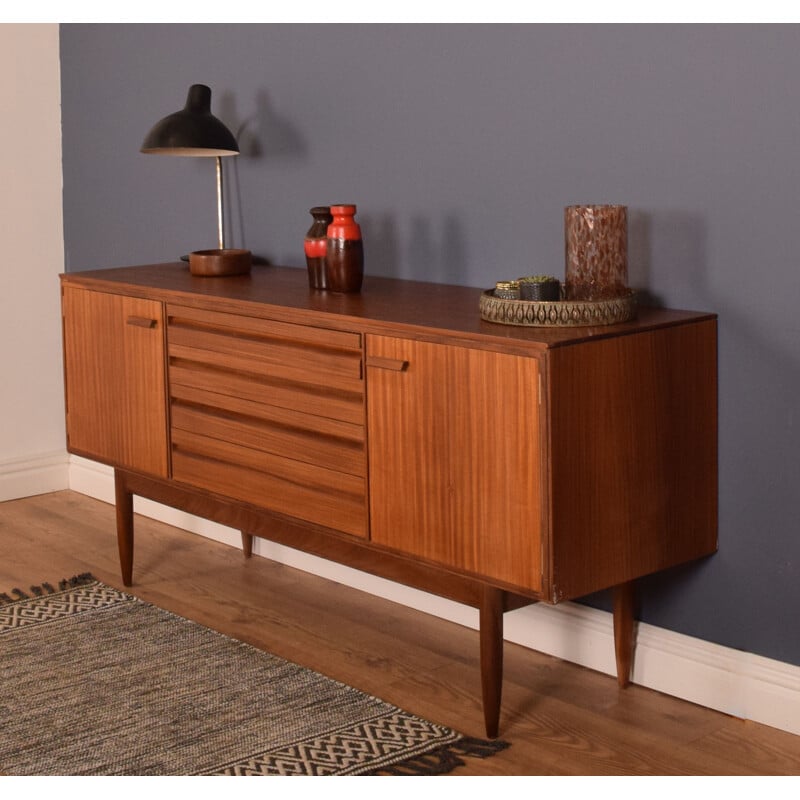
<point x="269" y="413"/>
<point x="266" y="348"/>
<point x="282" y="485"/>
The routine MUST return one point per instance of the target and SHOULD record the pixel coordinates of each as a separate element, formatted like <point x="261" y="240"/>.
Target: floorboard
<point x="561" y="719"/>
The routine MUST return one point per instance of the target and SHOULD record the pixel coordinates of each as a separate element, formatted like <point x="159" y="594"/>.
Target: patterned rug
<point x="94" y="681"/>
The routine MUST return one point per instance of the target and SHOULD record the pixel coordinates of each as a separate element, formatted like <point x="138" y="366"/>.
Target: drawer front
<point x="269" y="413"/>
<point x="313" y="494"/>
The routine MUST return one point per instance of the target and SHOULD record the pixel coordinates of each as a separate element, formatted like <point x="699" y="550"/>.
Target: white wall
<point x="32" y="448"/>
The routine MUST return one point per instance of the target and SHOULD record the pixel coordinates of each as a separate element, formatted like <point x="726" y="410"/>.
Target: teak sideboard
<point x="397" y="432"/>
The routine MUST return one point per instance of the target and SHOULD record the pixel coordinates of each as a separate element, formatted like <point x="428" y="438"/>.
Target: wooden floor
<point x="560" y="719"/>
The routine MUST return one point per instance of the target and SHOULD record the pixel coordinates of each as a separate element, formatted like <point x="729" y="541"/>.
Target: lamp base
<point x="219" y="263"/>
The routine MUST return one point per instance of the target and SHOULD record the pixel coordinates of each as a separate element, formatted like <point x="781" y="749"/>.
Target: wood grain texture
<point x="491" y="648"/>
<point x="524" y="463"/>
<point x="454" y="453"/>
<point x="292" y="337"/>
<point x="623" y="455"/>
<point x="269" y="413"/>
<point x="633" y="456"/>
<point x="284" y="485"/>
<point x="123" y="505"/>
<point x="560" y="719"/>
<point x="432" y="311"/>
<point x="262" y="346"/>
<point x="314" y="539"/>
<point x="209" y="373"/>
<point x="624" y="629"/>
<point x="115" y="379"/>
<point x="305" y="441"/>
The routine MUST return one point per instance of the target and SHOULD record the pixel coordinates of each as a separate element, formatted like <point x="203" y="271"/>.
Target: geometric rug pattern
<point x="96" y="681"/>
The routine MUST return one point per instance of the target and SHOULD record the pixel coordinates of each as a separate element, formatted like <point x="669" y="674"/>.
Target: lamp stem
<point x="220" y="229"/>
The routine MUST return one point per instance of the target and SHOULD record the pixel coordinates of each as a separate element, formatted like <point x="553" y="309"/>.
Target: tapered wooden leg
<point x="623" y="631"/>
<point x="124" y="505"/>
<point x="247" y="544"/>
<point x="491" y="636"/>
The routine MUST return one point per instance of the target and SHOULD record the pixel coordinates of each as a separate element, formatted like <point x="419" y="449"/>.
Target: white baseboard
<point x="731" y="681"/>
<point x="32" y="475"/>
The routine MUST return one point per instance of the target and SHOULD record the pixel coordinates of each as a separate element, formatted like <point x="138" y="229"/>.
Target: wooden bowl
<point x="218" y="263"/>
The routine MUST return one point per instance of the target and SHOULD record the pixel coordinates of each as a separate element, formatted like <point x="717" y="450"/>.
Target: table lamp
<point x="195" y="131"/>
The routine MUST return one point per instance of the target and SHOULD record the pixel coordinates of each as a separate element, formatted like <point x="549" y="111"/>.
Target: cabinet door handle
<point x="142" y="322"/>
<point x="395" y="364"/>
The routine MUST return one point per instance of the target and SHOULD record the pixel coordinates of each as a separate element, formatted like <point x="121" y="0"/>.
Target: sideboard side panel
<point x="634" y="456"/>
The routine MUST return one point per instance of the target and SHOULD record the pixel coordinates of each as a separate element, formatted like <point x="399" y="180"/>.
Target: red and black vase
<point x="315" y="244"/>
<point x="344" y="258"/>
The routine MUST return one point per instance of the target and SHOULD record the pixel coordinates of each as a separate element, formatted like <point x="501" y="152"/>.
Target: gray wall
<point x="461" y="145"/>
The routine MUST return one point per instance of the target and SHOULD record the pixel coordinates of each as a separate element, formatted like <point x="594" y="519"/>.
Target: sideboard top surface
<point x="415" y="306"/>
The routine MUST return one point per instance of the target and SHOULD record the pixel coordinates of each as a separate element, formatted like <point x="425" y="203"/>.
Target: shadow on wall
<point x="261" y="135"/>
<point x="639" y="257"/>
<point x="397" y="249"/>
<point x="676" y="239"/>
<point x="265" y="133"/>
<point x="759" y="473"/>
<point x="759" y="377"/>
<point x="440" y="248"/>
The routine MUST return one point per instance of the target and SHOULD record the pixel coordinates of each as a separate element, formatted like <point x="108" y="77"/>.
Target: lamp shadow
<point x="264" y="134"/>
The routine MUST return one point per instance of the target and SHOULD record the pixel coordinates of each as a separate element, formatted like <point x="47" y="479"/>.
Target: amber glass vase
<point x="344" y="259"/>
<point x="596" y="245"/>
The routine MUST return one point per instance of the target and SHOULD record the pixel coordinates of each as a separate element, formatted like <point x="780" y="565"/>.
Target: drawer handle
<point x="395" y="364"/>
<point x="142" y="322"/>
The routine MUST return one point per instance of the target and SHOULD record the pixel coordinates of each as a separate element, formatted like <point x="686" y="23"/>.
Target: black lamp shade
<point x="194" y="131"/>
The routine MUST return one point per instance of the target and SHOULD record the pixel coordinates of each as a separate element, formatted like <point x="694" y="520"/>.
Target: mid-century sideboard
<point x="396" y="431"/>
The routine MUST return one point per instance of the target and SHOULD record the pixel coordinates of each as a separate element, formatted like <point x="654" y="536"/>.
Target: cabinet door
<point x="455" y="457"/>
<point x="115" y="380"/>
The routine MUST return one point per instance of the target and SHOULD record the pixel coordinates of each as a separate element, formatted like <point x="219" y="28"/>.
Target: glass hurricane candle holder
<point x="596" y="244"/>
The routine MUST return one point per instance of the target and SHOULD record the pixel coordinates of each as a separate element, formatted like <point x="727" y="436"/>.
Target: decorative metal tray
<point x="557" y="313"/>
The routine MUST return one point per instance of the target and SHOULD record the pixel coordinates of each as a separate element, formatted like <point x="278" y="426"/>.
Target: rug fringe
<point x="76" y="580"/>
<point x="445" y="759"/>
<point x="45" y="588"/>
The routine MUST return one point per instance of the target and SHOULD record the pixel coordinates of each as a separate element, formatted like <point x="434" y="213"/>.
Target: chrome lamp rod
<point x="220" y="223"/>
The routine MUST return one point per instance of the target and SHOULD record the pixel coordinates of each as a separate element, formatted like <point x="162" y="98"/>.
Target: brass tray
<point x="557" y="313"/>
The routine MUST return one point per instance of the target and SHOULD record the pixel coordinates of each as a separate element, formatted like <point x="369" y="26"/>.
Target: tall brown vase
<point x="315" y="245"/>
<point x="596" y="245"/>
<point x="344" y="259"/>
